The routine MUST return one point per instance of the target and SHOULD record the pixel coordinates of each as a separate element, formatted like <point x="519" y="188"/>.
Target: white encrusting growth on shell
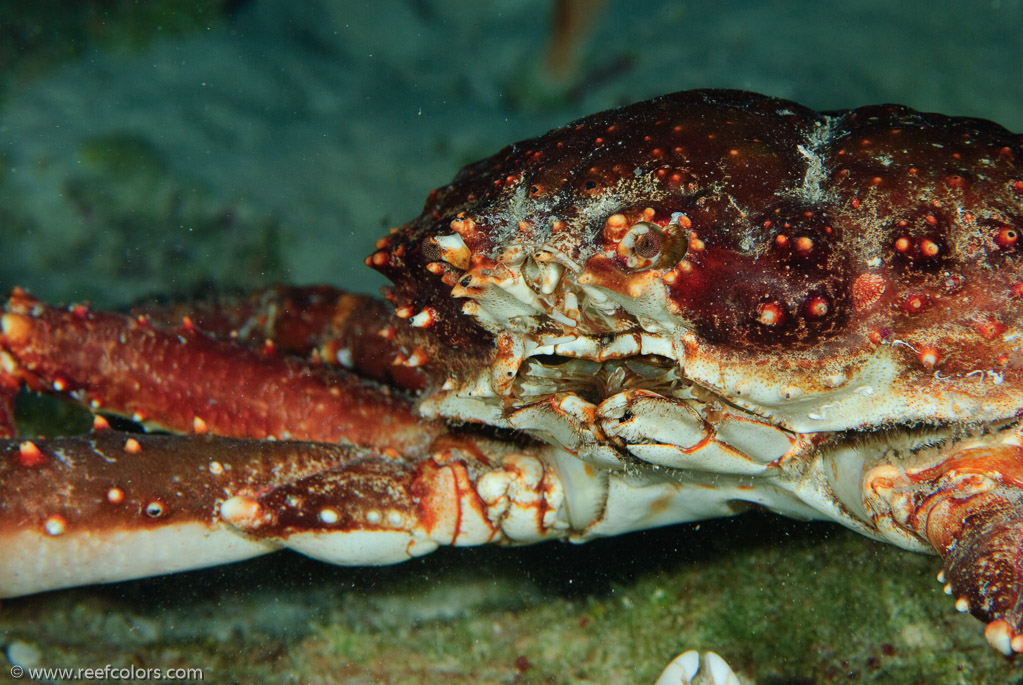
<point x="242" y="511"/>
<point x="55" y="525"/>
<point x="329" y="516"/>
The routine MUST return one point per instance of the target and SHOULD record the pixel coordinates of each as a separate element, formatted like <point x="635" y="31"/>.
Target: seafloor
<point x="166" y="147"/>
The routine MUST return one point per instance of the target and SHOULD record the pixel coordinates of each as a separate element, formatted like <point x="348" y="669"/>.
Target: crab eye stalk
<point x="642" y="245"/>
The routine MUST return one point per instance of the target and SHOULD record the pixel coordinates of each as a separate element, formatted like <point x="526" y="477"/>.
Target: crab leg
<point x="184" y="380"/>
<point x="969" y="506"/>
<point x="318" y="322"/>
<point x="112" y="506"/>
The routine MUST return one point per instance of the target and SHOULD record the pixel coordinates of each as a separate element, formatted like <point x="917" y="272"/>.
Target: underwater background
<point x="165" y="148"/>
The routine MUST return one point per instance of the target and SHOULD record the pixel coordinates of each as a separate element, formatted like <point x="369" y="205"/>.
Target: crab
<point x="670" y="311"/>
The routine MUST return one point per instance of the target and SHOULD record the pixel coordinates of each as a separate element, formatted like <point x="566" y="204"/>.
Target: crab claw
<point x="686" y="669"/>
<point x="969" y="507"/>
<point x="984" y="572"/>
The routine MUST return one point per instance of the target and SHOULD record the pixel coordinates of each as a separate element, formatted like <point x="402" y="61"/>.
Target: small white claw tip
<point x="685" y="670"/>
<point x="720" y="672"/>
<point x="681" y="670"/>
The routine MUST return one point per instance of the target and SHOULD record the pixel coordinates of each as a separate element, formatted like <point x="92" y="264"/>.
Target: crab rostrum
<point x="662" y="313"/>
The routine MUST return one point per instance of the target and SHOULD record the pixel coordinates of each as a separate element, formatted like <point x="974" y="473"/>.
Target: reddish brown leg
<point x="9" y="386"/>
<point x="314" y="322"/>
<point x="111" y="505"/>
<point x="184" y="380"/>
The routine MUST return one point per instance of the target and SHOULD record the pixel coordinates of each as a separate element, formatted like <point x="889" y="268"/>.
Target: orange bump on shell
<point x="929" y="248"/>
<point x="929" y="356"/>
<point x="199" y="426"/>
<point x="419" y="357"/>
<point x="1007" y="237"/>
<point x="769" y="314"/>
<point x="115" y="495"/>
<point x="902" y="244"/>
<point x="132" y="446"/>
<point x="989" y="328"/>
<point x="616" y="221"/>
<point x="817" y="307"/>
<point x="914" y="303"/>
<point x="29" y="455"/>
<point x="99" y="423"/>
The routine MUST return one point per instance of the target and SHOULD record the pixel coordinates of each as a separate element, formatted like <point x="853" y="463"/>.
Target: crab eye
<point x="641" y="245"/>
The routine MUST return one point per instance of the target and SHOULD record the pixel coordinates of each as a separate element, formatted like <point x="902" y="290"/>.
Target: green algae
<point x="125" y="225"/>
